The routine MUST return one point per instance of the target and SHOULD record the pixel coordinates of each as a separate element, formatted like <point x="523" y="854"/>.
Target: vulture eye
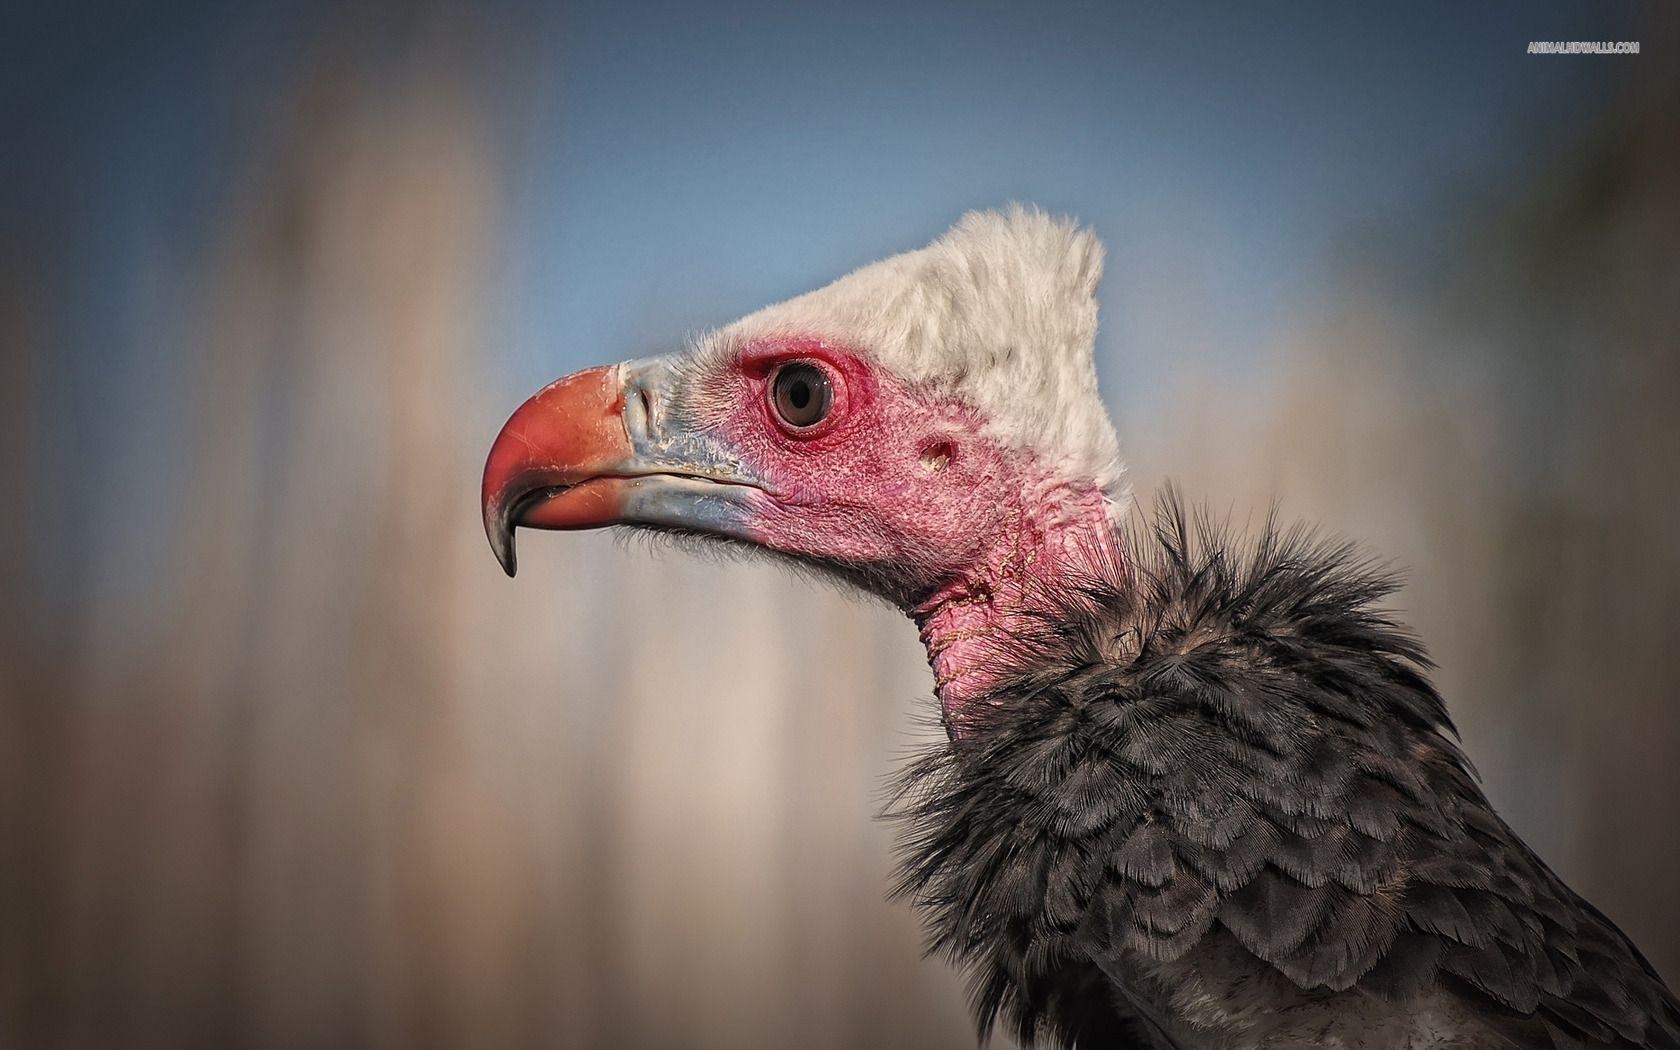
<point x="801" y="395"/>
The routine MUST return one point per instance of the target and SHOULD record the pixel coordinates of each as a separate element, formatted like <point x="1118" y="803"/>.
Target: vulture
<point x="1196" y="788"/>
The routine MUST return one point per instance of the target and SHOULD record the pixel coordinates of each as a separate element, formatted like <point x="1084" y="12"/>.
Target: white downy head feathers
<point x="999" y="313"/>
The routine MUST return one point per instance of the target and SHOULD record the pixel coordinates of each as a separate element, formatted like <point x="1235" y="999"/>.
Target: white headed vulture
<point x="1198" y="791"/>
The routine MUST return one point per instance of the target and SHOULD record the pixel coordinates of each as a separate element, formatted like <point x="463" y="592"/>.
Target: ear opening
<point x="938" y="454"/>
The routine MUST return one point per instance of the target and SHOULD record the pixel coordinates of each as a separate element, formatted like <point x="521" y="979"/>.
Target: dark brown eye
<point x="801" y="395"/>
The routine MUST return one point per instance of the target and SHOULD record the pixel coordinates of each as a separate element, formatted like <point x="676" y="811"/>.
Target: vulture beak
<point x="601" y="447"/>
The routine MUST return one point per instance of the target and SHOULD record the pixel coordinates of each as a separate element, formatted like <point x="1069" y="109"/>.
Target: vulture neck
<point x="1060" y="540"/>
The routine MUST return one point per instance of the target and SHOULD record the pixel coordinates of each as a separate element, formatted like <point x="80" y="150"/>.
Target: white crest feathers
<point x="1000" y="313"/>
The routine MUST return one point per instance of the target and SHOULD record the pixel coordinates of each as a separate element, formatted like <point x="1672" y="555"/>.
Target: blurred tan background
<point x="285" y="761"/>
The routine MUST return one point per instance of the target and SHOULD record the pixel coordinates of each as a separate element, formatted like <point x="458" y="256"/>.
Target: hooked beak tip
<point x="501" y="544"/>
<point x="498" y="529"/>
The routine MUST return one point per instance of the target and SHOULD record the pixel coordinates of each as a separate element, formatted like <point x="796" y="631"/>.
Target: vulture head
<point x="927" y="427"/>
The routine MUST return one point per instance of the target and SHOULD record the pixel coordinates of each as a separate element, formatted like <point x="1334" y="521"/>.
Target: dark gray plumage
<point x="1221" y="804"/>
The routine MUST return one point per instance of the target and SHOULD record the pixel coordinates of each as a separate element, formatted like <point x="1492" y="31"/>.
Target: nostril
<point x="638" y="411"/>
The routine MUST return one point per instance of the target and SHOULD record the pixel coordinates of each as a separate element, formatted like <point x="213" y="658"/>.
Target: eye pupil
<point x="801" y="395"/>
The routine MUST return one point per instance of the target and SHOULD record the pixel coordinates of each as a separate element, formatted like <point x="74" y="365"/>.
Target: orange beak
<point x="545" y="469"/>
<point x="596" y="449"/>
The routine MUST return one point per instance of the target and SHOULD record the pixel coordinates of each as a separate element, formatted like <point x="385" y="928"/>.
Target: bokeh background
<point x="286" y="762"/>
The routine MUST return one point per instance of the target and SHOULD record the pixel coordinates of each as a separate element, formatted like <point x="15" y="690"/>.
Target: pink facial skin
<point x="970" y="538"/>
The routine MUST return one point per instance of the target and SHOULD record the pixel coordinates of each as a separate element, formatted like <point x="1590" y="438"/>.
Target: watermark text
<point x="1583" y="47"/>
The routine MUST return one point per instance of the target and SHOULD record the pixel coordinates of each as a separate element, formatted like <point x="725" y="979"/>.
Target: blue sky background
<point x="671" y="166"/>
